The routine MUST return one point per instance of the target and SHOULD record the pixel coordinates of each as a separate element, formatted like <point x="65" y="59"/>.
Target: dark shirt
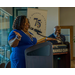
<point x="62" y="37"/>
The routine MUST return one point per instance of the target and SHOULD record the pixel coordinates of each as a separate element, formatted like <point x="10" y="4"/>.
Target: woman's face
<point x="26" y="26"/>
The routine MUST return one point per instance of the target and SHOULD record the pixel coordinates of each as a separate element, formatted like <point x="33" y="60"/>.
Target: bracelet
<point x="45" y="39"/>
<point x="18" y="38"/>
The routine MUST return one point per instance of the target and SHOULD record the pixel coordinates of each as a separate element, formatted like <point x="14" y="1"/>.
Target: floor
<point x="73" y="64"/>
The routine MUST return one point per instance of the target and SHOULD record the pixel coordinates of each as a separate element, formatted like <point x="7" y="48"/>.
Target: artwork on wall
<point x="37" y="19"/>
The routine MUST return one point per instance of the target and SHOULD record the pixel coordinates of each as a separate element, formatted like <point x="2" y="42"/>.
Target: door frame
<point x="71" y="39"/>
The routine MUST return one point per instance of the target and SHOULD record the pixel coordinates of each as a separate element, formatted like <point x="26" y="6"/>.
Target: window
<point x="4" y="32"/>
<point x="17" y="11"/>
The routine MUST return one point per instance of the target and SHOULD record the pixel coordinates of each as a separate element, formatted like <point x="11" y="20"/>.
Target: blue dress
<point x="17" y="56"/>
<point x="54" y="41"/>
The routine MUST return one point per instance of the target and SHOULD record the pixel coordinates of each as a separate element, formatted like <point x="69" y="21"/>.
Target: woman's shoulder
<point x="30" y="32"/>
<point x="12" y="32"/>
<point x="15" y="30"/>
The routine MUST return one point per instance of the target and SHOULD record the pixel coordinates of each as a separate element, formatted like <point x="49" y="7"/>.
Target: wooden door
<point x="71" y="39"/>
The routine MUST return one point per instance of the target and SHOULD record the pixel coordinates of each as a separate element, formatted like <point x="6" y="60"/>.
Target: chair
<point x="8" y="65"/>
<point x="2" y="65"/>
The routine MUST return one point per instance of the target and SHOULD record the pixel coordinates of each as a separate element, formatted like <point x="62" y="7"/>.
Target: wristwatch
<point x="18" y="38"/>
<point x="45" y="39"/>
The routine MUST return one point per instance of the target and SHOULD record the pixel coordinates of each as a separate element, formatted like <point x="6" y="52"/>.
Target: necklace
<point x="28" y="35"/>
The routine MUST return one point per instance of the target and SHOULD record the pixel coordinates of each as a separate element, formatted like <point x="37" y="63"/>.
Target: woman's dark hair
<point x="19" y="22"/>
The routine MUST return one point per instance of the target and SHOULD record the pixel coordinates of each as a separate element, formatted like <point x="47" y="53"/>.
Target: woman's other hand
<point x="48" y="39"/>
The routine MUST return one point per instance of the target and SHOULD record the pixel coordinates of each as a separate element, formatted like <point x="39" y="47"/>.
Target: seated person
<point x="57" y="35"/>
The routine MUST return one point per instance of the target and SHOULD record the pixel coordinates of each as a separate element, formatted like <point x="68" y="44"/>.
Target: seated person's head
<point x="57" y="30"/>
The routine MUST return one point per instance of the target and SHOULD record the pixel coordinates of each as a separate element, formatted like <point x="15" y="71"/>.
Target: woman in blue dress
<point x="20" y="39"/>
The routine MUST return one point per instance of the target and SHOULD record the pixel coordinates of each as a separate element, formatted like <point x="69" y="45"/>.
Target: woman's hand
<point x="18" y="34"/>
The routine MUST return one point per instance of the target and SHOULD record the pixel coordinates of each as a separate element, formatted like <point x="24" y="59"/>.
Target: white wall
<point x="8" y="9"/>
<point x="67" y="16"/>
<point x="52" y="18"/>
